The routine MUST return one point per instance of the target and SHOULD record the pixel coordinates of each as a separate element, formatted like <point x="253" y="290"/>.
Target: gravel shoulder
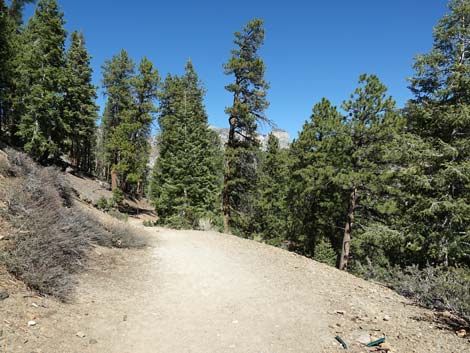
<point x="205" y="292"/>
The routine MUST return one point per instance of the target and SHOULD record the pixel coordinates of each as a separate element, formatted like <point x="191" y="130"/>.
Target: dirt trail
<point x="207" y="292"/>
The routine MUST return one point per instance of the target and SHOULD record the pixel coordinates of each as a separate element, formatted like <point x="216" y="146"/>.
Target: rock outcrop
<point x="283" y="136"/>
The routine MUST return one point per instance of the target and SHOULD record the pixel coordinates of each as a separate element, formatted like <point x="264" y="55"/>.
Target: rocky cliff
<point x="283" y="136"/>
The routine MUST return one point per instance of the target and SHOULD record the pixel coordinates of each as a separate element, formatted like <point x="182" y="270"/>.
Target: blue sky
<point x="313" y="49"/>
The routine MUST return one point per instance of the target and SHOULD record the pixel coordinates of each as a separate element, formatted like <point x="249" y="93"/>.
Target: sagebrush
<point x="435" y="287"/>
<point x="52" y="236"/>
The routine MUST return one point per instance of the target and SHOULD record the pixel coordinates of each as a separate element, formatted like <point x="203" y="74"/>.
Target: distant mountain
<point x="283" y="136"/>
<point x="154" y="151"/>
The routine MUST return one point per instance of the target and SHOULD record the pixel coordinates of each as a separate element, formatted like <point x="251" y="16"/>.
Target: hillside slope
<point x="208" y="292"/>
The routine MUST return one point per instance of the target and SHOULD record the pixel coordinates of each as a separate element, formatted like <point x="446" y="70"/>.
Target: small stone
<point x="4" y="295"/>
<point x="364" y="339"/>
<point x="386" y="347"/>
<point x="340" y="312"/>
<point x="461" y="333"/>
<point x="446" y="314"/>
<point x="387" y="318"/>
<point x="92" y="341"/>
<point x="80" y="334"/>
<point x="35" y="305"/>
<point x="31" y="323"/>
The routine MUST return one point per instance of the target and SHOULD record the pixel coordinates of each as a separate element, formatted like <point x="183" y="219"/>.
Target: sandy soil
<point x="207" y="292"/>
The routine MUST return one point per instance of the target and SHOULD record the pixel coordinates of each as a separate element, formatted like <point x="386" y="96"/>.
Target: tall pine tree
<point x="145" y="87"/>
<point x="186" y="180"/>
<point x="127" y="119"/>
<point x="249" y="104"/>
<point x="317" y="199"/>
<point x="6" y="70"/>
<point x="80" y="110"/>
<point x="117" y="77"/>
<point x="41" y="79"/>
<point x="373" y="124"/>
<point x="440" y="114"/>
<point x="270" y="206"/>
<point x="341" y="191"/>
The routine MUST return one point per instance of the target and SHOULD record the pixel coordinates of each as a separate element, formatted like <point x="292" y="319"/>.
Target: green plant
<point x="119" y="215"/>
<point x="118" y="197"/>
<point x="148" y="223"/>
<point x="102" y="203"/>
<point x="325" y="253"/>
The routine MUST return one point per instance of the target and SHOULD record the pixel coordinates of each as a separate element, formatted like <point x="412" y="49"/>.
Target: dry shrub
<point x="52" y="237"/>
<point x="440" y="288"/>
<point x="121" y="236"/>
<point x="4" y="164"/>
<point x="436" y="287"/>
<point x="118" y="215"/>
<point x="206" y="224"/>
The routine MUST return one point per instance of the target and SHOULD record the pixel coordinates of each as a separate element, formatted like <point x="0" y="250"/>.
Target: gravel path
<point x="208" y="292"/>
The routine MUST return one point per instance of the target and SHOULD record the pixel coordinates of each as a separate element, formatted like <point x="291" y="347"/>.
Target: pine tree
<point x="186" y="179"/>
<point x="439" y="215"/>
<point x="6" y="70"/>
<point x="145" y="85"/>
<point x="373" y="124"/>
<point x="270" y="210"/>
<point x="80" y="110"/>
<point x="343" y="171"/>
<point x="316" y="198"/>
<point x="167" y="191"/>
<point x="249" y="104"/>
<point x="11" y="49"/>
<point x="101" y="168"/>
<point x="117" y="77"/>
<point x="41" y="83"/>
<point x="205" y="156"/>
<point x="16" y="10"/>
<point x="127" y="119"/>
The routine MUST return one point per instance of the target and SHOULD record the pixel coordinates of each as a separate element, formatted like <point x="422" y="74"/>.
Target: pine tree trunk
<point x="114" y="180"/>
<point x="343" y="263"/>
<point x="226" y="201"/>
<point x="226" y="207"/>
<point x="226" y="191"/>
